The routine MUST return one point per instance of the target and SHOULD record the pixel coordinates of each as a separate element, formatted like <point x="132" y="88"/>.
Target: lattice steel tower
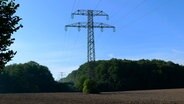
<point x="90" y="25"/>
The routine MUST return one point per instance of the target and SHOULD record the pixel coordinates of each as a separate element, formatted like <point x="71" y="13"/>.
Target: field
<point x="171" y="96"/>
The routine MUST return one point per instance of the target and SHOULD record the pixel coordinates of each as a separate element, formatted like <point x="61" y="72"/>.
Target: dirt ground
<point x="172" y="96"/>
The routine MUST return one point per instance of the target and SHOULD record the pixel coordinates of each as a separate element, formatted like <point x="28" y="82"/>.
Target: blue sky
<point x="145" y="29"/>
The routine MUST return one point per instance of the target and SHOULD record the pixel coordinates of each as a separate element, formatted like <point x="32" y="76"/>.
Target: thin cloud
<point x="175" y="51"/>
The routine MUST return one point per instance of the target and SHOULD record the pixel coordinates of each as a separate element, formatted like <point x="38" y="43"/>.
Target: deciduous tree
<point x="9" y="24"/>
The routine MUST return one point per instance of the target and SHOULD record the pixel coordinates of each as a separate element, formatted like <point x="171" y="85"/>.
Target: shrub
<point x="89" y="87"/>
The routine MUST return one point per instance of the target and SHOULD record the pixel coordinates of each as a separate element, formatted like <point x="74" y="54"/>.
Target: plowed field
<point x="171" y="96"/>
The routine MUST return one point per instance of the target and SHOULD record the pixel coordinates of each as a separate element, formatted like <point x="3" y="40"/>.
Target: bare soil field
<point x="170" y="96"/>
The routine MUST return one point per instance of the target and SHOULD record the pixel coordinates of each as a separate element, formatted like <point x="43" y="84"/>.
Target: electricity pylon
<point x="90" y="25"/>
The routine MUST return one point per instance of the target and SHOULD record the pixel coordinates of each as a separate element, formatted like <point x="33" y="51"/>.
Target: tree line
<point x="29" y="77"/>
<point x="94" y="77"/>
<point x="121" y="75"/>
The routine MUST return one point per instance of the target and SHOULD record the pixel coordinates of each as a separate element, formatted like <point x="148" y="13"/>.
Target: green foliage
<point x="89" y="87"/>
<point x="9" y="23"/>
<point x="29" y="77"/>
<point x="117" y="74"/>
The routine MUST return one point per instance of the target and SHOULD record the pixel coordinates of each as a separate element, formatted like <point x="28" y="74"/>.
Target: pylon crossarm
<point x="78" y="24"/>
<point x="94" y="13"/>
<point x="85" y="25"/>
<point x="99" y="13"/>
<point x="95" y="25"/>
<point x="103" y="25"/>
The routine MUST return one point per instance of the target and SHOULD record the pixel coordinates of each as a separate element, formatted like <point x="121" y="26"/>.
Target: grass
<point x="171" y="96"/>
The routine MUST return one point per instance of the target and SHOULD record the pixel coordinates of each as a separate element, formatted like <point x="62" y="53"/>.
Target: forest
<point x="122" y="75"/>
<point x="94" y="77"/>
<point x="28" y="78"/>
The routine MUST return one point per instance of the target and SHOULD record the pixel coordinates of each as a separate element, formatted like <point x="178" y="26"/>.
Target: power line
<point x="135" y="8"/>
<point x="66" y="45"/>
<point x="98" y="3"/>
<point x="77" y="4"/>
<point x="141" y="17"/>
<point x="146" y="14"/>
<point x="74" y="3"/>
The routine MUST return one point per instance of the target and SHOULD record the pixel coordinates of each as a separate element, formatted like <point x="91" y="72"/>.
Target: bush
<point x="89" y="87"/>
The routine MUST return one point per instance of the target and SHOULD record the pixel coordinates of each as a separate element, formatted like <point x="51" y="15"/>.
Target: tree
<point x="9" y="23"/>
<point x="120" y="75"/>
<point x="28" y="77"/>
<point x="90" y="87"/>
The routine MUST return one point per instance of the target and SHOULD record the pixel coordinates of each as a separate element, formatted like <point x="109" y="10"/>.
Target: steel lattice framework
<point x="90" y="25"/>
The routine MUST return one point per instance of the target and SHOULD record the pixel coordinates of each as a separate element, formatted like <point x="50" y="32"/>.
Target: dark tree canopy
<point x="29" y="77"/>
<point x="118" y="75"/>
<point x="9" y="23"/>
